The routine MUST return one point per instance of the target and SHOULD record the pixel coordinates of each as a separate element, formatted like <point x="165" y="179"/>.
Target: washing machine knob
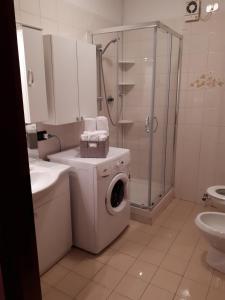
<point x="120" y="163"/>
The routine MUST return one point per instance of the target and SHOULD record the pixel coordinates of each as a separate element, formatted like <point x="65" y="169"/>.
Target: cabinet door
<point x="65" y="80"/>
<point x="31" y="55"/>
<point x="53" y="226"/>
<point x="87" y="79"/>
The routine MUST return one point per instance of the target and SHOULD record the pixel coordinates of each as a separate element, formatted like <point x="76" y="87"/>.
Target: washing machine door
<point x="117" y="194"/>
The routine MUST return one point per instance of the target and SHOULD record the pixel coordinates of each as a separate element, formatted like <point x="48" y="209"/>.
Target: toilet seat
<point x="217" y="192"/>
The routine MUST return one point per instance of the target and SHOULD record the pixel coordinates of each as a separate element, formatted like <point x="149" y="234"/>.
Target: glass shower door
<point x="135" y="84"/>
<point x="160" y="115"/>
<point x="172" y="109"/>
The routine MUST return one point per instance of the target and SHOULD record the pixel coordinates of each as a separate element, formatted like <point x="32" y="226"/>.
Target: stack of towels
<point x="95" y="129"/>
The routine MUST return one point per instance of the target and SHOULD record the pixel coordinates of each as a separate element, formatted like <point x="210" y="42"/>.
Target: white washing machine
<point x="99" y="196"/>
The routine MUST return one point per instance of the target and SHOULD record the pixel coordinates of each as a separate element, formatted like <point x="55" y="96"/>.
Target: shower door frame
<point x="154" y="25"/>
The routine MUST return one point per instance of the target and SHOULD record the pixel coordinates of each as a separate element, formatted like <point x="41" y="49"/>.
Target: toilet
<point x="212" y="226"/>
<point x="215" y="196"/>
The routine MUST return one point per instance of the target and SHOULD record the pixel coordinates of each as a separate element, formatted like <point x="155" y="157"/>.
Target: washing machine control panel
<point x="113" y="166"/>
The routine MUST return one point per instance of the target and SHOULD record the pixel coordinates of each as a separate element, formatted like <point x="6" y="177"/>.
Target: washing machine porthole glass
<point x="117" y="195"/>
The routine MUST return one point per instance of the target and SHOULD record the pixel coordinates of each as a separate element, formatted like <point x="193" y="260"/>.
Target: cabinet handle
<point x="30" y="77"/>
<point x="147" y="124"/>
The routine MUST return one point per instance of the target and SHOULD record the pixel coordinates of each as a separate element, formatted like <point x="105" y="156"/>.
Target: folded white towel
<point x="90" y="124"/>
<point x="102" y="137"/>
<point x="99" y="132"/>
<point x="84" y="137"/>
<point x="94" y="137"/>
<point x="102" y="123"/>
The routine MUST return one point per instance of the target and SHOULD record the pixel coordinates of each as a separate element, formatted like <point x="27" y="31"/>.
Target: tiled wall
<point x="73" y="19"/>
<point x="111" y="74"/>
<point x="201" y="134"/>
<point x="201" y="130"/>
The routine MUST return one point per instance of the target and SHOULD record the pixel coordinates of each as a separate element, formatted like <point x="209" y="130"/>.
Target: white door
<point x="65" y="80"/>
<point x="31" y="55"/>
<point x="87" y="79"/>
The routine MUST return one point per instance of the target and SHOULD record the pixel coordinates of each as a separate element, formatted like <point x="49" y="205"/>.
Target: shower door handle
<point x="156" y="124"/>
<point x="147" y="124"/>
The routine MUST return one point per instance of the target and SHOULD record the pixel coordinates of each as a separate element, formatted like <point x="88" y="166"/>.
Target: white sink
<point x="42" y="180"/>
<point x="44" y="175"/>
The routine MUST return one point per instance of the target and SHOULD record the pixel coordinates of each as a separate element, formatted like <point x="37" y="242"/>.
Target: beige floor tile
<point x="121" y="261"/>
<point x="143" y="270"/>
<point x="166" y="280"/>
<point x="56" y="295"/>
<point x="181" y="251"/>
<point x="215" y="294"/>
<point x="93" y="291"/>
<point x="203" y="244"/>
<point x="155" y="293"/>
<point x="152" y="256"/>
<point x="54" y="275"/>
<point x="116" y="296"/>
<point x="160" y="243"/>
<point x="88" y="268"/>
<point x="131" y="287"/>
<point x="108" y="277"/>
<point x="134" y="224"/>
<point x="189" y="289"/>
<point x="189" y="238"/>
<point x="149" y="229"/>
<point x="174" y="264"/>
<point x="131" y="248"/>
<point x="199" y="271"/>
<point x="218" y="281"/>
<point x="74" y="257"/>
<point x="139" y="237"/>
<point x="45" y="288"/>
<point x="167" y="233"/>
<point x="72" y="284"/>
<point x="105" y="256"/>
<point x="116" y="245"/>
<point x="173" y="223"/>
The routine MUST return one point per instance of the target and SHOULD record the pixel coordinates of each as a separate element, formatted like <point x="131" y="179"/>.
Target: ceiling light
<point x="212" y="7"/>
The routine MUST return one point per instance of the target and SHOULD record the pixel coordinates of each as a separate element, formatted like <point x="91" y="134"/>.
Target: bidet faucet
<point x="205" y="197"/>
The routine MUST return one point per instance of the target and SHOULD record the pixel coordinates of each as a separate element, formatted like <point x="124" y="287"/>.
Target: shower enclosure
<point x="138" y="86"/>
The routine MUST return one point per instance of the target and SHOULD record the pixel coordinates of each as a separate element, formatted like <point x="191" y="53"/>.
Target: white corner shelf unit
<point x="126" y="84"/>
<point x="125" y="122"/>
<point x="126" y="62"/>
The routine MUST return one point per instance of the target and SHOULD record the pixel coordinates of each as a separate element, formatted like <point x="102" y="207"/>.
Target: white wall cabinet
<point x="70" y="68"/>
<point x="87" y="79"/>
<point x="32" y="72"/>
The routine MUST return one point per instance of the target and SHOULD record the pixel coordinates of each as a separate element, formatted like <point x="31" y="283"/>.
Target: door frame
<point x="18" y="250"/>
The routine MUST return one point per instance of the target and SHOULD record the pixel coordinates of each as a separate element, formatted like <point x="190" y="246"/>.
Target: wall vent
<point x="192" y="10"/>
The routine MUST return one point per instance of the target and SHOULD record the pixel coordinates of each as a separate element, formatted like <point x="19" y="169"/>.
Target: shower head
<point x="103" y="50"/>
<point x="108" y="44"/>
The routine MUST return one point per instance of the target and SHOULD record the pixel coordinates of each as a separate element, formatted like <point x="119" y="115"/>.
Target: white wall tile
<point x="49" y="26"/>
<point x="30" y="6"/>
<point x="49" y="9"/>
<point x="30" y="19"/>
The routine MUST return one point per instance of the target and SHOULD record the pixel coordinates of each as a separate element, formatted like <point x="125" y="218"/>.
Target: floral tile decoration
<point x="207" y="80"/>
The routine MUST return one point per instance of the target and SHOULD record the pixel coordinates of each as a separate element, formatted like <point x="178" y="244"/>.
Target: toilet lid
<point x="217" y="191"/>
